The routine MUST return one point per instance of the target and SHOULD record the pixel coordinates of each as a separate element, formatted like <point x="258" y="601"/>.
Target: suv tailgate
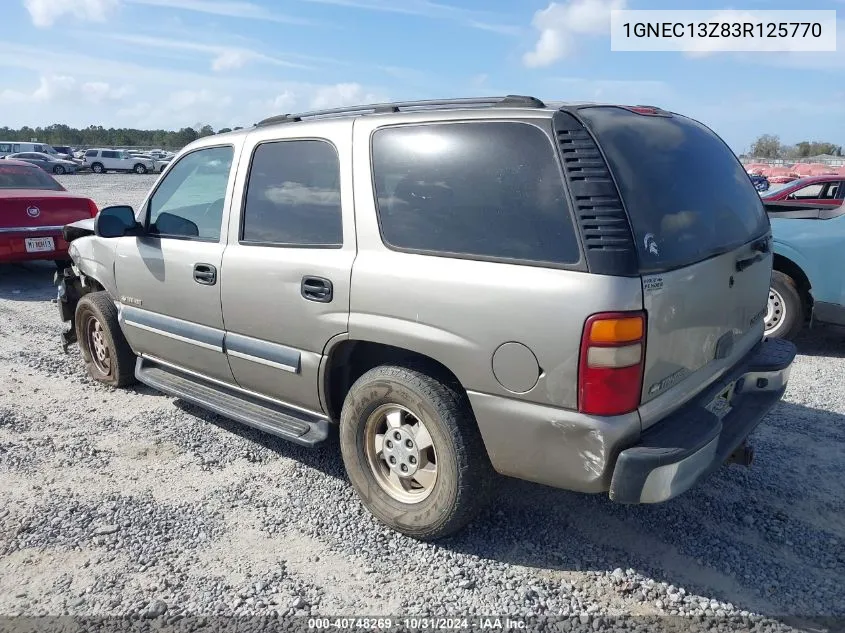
<point x="702" y="237"/>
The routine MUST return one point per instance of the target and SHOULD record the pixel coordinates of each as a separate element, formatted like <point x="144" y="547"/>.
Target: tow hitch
<point x="742" y="455"/>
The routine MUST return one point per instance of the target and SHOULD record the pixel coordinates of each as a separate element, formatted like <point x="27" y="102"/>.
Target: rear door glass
<point x="687" y="195"/>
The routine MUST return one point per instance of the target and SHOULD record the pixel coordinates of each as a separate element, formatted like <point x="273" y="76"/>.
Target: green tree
<point x="767" y="146"/>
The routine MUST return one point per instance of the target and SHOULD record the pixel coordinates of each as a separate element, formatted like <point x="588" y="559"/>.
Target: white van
<point x="13" y="147"/>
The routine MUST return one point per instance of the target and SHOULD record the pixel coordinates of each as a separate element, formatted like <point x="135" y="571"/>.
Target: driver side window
<point x="189" y="200"/>
<point x="810" y="192"/>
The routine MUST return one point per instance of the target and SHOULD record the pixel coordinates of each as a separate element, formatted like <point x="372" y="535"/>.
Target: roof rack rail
<point x="508" y="101"/>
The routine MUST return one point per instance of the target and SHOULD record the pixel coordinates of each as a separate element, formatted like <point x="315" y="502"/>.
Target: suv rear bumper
<point x="570" y="450"/>
<point x="680" y="450"/>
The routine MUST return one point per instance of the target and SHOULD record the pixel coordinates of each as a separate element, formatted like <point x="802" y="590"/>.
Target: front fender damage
<point x="72" y="286"/>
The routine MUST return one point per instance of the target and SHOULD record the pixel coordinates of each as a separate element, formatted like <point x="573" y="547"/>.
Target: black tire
<point x="98" y="168"/>
<point x="464" y="478"/>
<point x="140" y="169"/>
<point x="58" y="170"/>
<point x="97" y="306"/>
<point x="786" y="308"/>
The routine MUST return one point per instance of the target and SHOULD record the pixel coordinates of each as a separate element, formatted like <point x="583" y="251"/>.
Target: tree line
<point x="97" y="135"/>
<point x="770" y="146"/>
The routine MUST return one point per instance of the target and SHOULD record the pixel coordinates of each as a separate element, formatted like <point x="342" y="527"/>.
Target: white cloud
<point x="230" y="60"/>
<point x="45" y="13"/>
<point x="53" y="90"/>
<point x="54" y="87"/>
<point x="80" y="90"/>
<point x="482" y="20"/>
<point x="560" y="25"/>
<point x="626" y="91"/>
<point x="343" y="94"/>
<point x="246" y="10"/>
<point x="99" y="92"/>
<point x="223" y="57"/>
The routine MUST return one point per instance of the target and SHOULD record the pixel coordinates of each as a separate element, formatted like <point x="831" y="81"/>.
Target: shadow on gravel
<point x="325" y="457"/>
<point x="32" y="281"/>
<point x="825" y="341"/>
<point x="769" y="538"/>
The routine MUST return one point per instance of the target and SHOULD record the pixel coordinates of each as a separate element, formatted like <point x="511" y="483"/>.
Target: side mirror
<point x="116" y="221"/>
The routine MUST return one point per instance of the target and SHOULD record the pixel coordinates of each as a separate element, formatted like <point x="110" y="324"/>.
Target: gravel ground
<point x="131" y="503"/>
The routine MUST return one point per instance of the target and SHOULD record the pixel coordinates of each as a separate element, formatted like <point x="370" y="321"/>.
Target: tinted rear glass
<point x="485" y="190"/>
<point x="688" y="196"/>
<point x="20" y="177"/>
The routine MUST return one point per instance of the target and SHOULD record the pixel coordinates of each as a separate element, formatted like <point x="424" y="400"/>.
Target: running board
<point x="283" y="422"/>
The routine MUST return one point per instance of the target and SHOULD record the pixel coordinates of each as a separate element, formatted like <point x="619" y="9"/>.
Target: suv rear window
<point x="484" y="190"/>
<point x="687" y="195"/>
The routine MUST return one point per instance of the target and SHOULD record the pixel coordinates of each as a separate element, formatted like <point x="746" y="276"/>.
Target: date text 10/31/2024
<point x="417" y="623"/>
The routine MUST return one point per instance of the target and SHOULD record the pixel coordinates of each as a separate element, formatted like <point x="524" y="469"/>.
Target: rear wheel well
<point x="350" y="360"/>
<point x="788" y="267"/>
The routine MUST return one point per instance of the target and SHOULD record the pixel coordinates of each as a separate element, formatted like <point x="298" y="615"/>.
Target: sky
<point x="176" y="63"/>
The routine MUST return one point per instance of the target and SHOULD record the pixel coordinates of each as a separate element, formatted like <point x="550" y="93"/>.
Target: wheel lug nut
<point x="404" y="468"/>
<point x="398" y="435"/>
<point x="409" y="444"/>
<point x="412" y="460"/>
<point x="389" y="444"/>
<point x="392" y="460"/>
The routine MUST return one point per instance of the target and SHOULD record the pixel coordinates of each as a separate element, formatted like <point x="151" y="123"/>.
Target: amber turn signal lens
<point x="611" y="331"/>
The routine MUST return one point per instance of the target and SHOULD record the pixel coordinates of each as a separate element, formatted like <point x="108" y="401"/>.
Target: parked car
<point x="34" y="208"/>
<point x="827" y="189"/>
<point x="47" y="162"/>
<point x="761" y="183"/>
<point x="102" y="160"/>
<point x="64" y="151"/>
<point x="17" y="147"/>
<point x="807" y="281"/>
<point x="490" y="301"/>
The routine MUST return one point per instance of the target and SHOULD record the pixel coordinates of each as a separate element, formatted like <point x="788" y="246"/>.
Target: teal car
<point x="808" y="278"/>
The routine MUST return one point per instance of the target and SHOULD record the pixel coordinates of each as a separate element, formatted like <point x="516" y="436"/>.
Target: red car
<point x="829" y="189"/>
<point x="34" y="208"/>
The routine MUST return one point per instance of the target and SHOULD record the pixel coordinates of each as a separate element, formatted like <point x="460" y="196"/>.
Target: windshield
<point x="687" y="195"/>
<point x="21" y="177"/>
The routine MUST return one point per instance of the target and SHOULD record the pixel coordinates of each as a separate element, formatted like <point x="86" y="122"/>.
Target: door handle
<point x="317" y="289"/>
<point x="205" y="274"/>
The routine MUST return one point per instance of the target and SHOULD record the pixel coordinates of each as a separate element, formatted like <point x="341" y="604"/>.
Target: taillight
<point x="610" y="372"/>
<point x="92" y="208"/>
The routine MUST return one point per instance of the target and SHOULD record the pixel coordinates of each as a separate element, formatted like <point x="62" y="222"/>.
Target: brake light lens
<point x="647" y="110"/>
<point x="92" y="208"/>
<point x="610" y="373"/>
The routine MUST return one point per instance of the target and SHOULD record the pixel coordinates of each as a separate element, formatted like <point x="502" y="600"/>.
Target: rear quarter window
<point x="486" y="190"/>
<point x="687" y="195"/>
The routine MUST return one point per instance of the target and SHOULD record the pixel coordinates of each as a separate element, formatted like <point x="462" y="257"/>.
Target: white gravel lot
<point x="132" y="503"/>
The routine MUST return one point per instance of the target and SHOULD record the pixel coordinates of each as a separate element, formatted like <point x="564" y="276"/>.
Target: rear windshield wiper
<point x="761" y="246"/>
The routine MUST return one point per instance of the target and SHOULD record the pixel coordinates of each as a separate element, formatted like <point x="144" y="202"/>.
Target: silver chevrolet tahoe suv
<point x="462" y="288"/>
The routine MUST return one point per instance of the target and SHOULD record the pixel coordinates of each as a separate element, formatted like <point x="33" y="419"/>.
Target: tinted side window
<point x="293" y="195"/>
<point x="189" y="200"/>
<point x="91" y="152"/>
<point x="107" y="154"/>
<point x="473" y="189"/>
<point x="6" y="147"/>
